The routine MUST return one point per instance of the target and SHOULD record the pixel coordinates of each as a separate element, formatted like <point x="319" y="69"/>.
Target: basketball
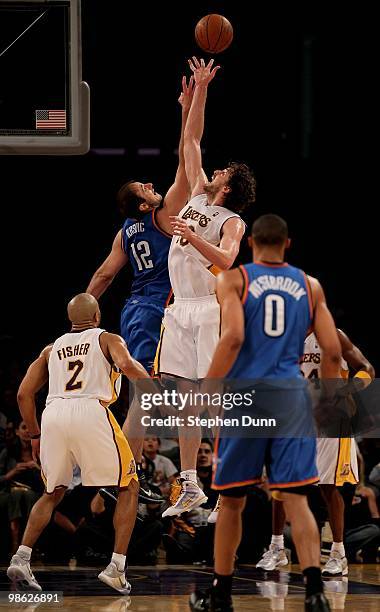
<point x="213" y="33"/>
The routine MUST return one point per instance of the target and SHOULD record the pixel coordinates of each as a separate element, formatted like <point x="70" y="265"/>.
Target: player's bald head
<point x="82" y="308"/>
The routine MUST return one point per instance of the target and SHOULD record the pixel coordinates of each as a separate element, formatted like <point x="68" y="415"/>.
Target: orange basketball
<point x="213" y="33"/>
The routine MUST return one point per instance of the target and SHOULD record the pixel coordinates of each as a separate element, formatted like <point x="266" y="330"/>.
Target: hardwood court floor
<point x="166" y="588"/>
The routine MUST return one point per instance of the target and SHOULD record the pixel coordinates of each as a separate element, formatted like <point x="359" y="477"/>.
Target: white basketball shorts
<point x="83" y="432"/>
<point x="337" y="461"/>
<point x="189" y="335"/>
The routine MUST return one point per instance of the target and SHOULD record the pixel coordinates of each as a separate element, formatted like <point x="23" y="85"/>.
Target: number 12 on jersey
<point x="141" y="253"/>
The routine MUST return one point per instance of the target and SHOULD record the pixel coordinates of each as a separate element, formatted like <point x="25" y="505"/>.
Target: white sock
<point x="277" y="541"/>
<point x="24" y="552"/>
<point x="119" y="561"/>
<point x="189" y="475"/>
<point x="339" y="547"/>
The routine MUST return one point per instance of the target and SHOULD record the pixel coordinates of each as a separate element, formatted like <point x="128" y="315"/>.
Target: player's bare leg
<point x="337" y="562"/>
<point x="305" y="532"/>
<point x="278" y="517"/>
<point x="134" y="430"/>
<point x="40" y="516"/>
<point x="124" y="520"/>
<point x="125" y="516"/>
<point x="189" y="436"/>
<point x="275" y="557"/>
<point x="228" y="534"/>
<point x="19" y="568"/>
<point x="305" y="535"/>
<point x="191" y="495"/>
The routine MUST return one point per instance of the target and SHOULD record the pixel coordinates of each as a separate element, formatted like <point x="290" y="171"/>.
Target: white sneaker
<point x="19" y="571"/>
<point x="191" y="496"/>
<point x="274" y="557"/>
<point x="115" y="579"/>
<point x="336" y="565"/>
<point x="214" y="514"/>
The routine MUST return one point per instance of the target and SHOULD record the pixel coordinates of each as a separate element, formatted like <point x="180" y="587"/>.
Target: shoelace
<point x="217" y="506"/>
<point x="333" y="562"/>
<point x="269" y="554"/>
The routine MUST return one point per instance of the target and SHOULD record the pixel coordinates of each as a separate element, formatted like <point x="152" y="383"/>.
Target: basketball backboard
<point x="44" y="104"/>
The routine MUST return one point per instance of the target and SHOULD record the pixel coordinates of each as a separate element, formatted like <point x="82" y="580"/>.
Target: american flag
<point x="50" y="119"/>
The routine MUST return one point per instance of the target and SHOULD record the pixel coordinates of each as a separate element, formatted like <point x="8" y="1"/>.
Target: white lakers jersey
<point x="311" y="360"/>
<point x="78" y="369"/>
<point x="189" y="270"/>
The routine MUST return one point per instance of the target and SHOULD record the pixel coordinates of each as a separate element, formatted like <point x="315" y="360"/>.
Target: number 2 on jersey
<point x="74" y="384"/>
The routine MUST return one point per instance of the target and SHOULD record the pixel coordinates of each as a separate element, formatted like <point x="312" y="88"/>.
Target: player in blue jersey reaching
<point x="267" y="308"/>
<point x="144" y="241"/>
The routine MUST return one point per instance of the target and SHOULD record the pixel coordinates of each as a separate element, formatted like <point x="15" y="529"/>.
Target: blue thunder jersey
<point x="147" y="247"/>
<point x="278" y="312"/>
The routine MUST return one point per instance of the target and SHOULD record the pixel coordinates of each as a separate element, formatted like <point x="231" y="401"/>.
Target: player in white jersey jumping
<point x="336" y="462"/>
<point x="77" y="428"/>
<point x="207" y="235"/>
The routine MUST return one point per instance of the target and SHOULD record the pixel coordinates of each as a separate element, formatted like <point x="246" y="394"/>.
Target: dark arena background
<point x="294" y="99"/>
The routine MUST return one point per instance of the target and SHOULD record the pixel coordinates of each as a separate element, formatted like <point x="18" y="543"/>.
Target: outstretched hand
<point x="202" y="74"/>
<point x="180" y="228"/>
<point x="186" y="93"/>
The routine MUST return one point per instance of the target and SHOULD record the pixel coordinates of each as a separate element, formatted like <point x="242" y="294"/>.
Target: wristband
<point x="362" y="374"/>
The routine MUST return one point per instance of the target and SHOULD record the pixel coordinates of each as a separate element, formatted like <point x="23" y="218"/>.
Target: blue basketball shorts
<point x="140" y="327"/>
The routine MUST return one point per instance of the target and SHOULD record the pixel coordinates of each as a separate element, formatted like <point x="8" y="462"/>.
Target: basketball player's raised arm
<point x="195" y="125"/>
<point x="229" y="288"/>
<point x="354" y="357"/>
<point x="326" y="334"/>
<point x="179" y="192"/>
<point x="105" y="274"/>
<point x="35" y="378"/>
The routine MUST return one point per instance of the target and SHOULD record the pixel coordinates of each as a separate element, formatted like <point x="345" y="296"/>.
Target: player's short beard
<point x="210" y="189"/>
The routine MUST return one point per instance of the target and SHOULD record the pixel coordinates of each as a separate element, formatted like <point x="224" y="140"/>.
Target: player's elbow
<point x="190" y="142"/>
<point x="234" y="339"/>
<point x="105" y="275"/>
<point x="368" y="367"/>
<point x="23" y="394"/>
<point x="227" y="262"/>
<point x="126" y="365"/>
